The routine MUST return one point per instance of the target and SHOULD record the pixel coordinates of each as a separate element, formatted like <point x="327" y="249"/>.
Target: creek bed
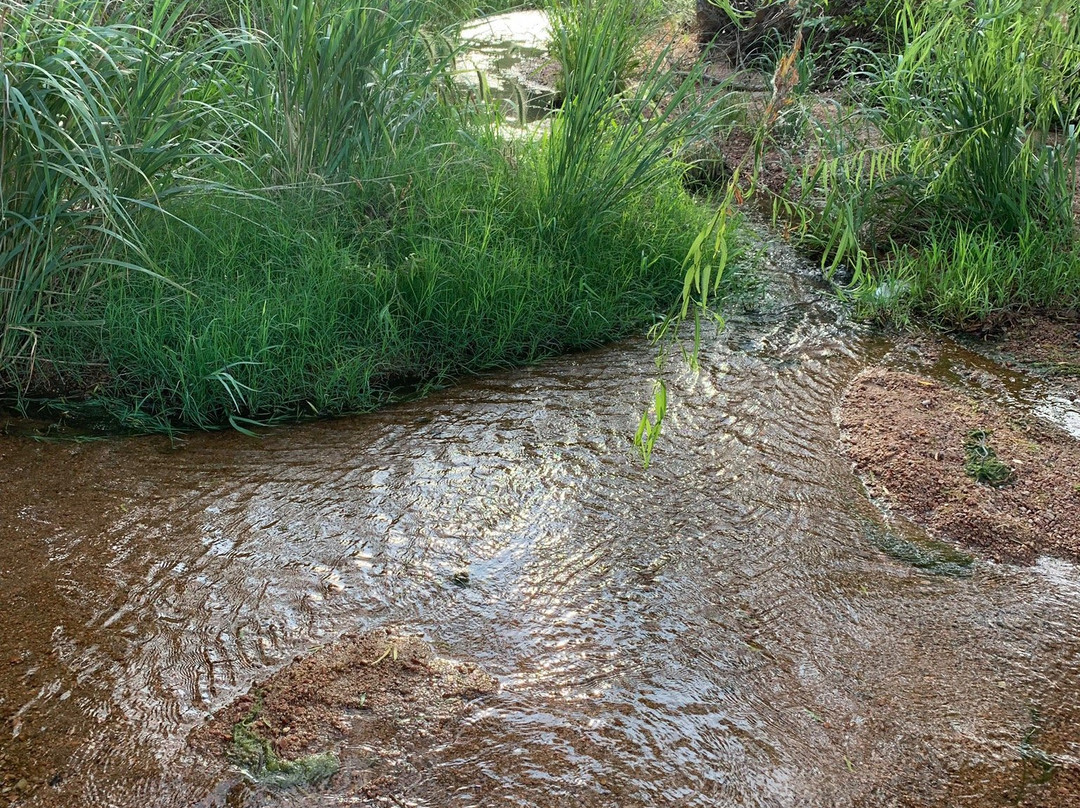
<point x="719" y="629"/>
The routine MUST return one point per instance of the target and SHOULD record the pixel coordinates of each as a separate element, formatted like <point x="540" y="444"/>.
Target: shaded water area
<point x="719" y="629"/>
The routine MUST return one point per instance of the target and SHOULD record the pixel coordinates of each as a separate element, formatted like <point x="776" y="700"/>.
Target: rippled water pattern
<point x="716" y="630"/>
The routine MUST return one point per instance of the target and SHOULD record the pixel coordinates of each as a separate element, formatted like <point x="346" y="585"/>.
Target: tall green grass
<point x="969" y="278"/>
<point x="312" y="305"/>
<point x="101" y="116"/>
<point x="109" y="110"/>
<point x="953" y="184"/>
<point x="297" y="218"/>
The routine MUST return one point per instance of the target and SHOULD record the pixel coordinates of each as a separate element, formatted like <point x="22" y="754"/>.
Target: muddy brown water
<point x="716" y="630"/>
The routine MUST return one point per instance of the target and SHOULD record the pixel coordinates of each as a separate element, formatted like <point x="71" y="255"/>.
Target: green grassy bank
<point x="941" y="176"/>
<point x="311" y="305"/>
<point x="253" y="212"/>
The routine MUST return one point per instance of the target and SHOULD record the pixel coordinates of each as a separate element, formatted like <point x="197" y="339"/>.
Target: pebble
<point x="460" y="578"/>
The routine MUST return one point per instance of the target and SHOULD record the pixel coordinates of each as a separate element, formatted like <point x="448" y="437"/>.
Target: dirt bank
<point x="921" y="445"/>
<point x="1045" y="346"/>
<point x="372" y="703"/>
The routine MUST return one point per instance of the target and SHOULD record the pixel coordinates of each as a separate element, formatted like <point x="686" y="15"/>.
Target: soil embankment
<point x="364" y="709"/>
<point x="922" y="442"/>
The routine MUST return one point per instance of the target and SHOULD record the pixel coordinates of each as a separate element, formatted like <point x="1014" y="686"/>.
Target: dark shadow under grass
<point x="307" y="304"/>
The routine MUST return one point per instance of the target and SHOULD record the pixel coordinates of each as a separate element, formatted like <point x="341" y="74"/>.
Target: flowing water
<point x="720" y="629"/>
<point x="505" y="57"/>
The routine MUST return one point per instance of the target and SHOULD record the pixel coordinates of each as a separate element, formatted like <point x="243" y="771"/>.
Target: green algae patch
<point x="255" y="756"/>
<point x="934" y="557"/>
<point x="982" y="463"/>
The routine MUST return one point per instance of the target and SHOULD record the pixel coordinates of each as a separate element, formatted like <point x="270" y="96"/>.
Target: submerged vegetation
<point x="258" y="760"/>
<point x="921" y="552"/>
<point x="257" y="211"/>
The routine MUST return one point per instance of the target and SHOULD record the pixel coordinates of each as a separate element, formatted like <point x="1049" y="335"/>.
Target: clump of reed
<point x="103" y="115"/>
<point x="623" y="117"/>
<point x="296" y="217"/>
<point x="947" y="187"/>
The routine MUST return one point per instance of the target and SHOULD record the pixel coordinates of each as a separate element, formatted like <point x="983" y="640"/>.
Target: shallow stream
<point x="719" y="629"/>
